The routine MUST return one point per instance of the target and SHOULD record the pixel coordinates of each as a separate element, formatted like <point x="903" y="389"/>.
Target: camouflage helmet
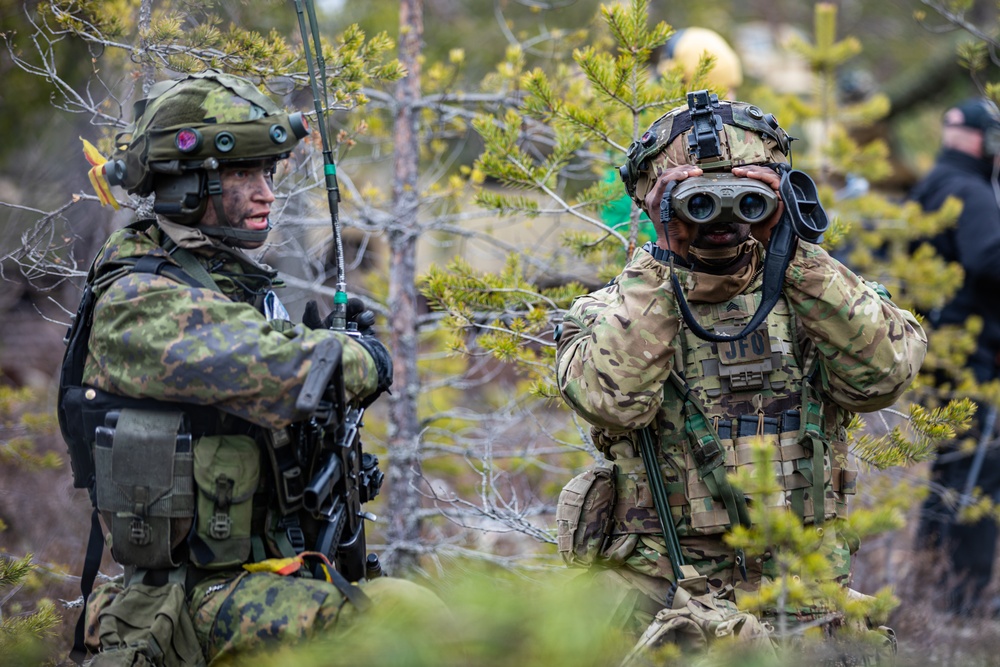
<point x="185" y="130"/>
<point x="740" y="133"/>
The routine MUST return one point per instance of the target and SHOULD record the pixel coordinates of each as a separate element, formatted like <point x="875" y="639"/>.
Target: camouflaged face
<point x="156" y="338"/>
<point x="740" y="146"/>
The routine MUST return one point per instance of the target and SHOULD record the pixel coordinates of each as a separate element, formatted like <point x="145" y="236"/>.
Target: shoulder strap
<point x="91" y="565"/>
<point x="161" y="266"/>
<point x="193" y="268"/>
<point x="192" y="273"/>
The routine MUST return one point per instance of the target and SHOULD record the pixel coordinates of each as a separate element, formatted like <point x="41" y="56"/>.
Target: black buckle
<point x="220" y="526"/>
<point x="139" y="532"/>
<point x="294" y="533"/>
<point x="706" y="453"/>
<point x="291" y="479"/>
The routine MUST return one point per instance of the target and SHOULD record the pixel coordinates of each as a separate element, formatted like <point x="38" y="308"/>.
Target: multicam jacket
<point x="156" y="338"/>
<point x="832" y="345"/>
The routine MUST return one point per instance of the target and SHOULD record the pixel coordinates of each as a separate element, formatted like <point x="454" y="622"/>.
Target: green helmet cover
<point x="185" y="124"/>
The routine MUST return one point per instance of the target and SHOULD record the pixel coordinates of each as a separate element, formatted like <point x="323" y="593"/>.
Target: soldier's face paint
<point x="246" y="199"/>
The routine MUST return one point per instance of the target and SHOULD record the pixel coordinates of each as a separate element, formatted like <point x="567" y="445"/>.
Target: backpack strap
<point x="91" y="565"/>
<point x="188" y="275"/>
<point x="192" y="268"/>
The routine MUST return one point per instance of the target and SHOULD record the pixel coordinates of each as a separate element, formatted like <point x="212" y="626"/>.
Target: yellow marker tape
<point x="98" y="178"/>
<point x="282" y="566"/>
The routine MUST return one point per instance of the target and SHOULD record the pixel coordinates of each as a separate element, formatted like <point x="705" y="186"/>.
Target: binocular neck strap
<point x="779" y="254"/>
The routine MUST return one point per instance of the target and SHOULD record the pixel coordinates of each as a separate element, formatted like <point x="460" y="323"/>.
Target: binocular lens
<point x="701" y="207"/>
<point x="752" y="206"/>
<point x="722" y="197"/>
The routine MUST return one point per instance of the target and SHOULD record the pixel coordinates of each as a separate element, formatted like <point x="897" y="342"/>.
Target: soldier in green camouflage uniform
<point x="833" y="345"/>
<point x="206" y="147"/>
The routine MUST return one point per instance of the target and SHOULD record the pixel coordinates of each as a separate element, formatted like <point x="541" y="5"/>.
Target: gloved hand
<point x="356" y="312"/>
<point x="383" y="366"/>
<point x="365" y="320"/>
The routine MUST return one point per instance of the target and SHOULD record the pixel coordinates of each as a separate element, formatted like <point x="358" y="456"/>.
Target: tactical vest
<point x="176" y="483"/>
<point x="723" y="397"/>
<point x="185" y="490"/>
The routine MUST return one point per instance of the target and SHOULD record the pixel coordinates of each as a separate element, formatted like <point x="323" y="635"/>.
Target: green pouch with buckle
<point x="226" y="473"/>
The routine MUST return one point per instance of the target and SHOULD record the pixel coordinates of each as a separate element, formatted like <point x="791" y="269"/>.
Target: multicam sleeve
<point x="616" y="349"/>
<point x="870" y="349"/>
<point x="155" y="338"/>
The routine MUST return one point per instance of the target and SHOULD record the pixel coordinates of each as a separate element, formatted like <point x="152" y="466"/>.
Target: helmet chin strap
<point x="225" y="231"/>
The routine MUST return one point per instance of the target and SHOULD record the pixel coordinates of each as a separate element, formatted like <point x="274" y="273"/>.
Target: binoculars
<point x="722" y="197"/>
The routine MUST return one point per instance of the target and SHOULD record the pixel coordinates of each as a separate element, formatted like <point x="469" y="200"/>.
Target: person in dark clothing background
<point x="967" y="168"/>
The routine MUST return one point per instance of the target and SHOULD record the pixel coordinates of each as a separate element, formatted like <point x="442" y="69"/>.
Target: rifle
<point x="343" y="477"/>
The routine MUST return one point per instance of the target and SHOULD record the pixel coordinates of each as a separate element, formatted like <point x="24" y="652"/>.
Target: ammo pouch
<point x="226" y="474"/>
<point x="144" y="484"/>
<point x="148" y="625"/>
<point x="585" y="515"/>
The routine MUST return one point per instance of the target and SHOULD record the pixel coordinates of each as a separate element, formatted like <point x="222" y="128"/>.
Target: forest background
<point x="475" y="193"/>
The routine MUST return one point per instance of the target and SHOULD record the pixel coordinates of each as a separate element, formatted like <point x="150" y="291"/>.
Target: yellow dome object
<point x="686" y="48"/>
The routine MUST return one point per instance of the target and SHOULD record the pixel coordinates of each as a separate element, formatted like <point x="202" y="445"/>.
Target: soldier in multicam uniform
<point x="627" y="359"/>
<point x="207" y="146"/>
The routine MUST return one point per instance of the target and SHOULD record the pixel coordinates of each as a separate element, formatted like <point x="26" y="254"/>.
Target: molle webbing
<point x="798" y="448"/>
<point x="709" y="456"/>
